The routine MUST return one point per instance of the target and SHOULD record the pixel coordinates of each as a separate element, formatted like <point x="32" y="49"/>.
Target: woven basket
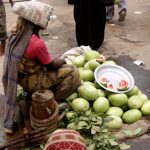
<point x="43" y="104"/>
<point x="50" y="122"/>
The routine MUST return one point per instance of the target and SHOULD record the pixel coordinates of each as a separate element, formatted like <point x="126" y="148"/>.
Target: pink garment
<point x="37" y="50"/>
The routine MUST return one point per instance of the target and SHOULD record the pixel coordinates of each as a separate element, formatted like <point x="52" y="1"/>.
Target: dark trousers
<point x="70" y="1"/>
<point x="90" y="19"/>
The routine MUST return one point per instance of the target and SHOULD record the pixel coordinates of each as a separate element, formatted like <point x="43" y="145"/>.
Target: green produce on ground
<point x="72" y="97"/>
<point x="89" y="83"/>
<point x="79" y="61"/>
<point x="118" y="99"/>
<point x="132" y="116"/>
<point x="86" y="66"/>
<point x="134" y="91"/>
<point x="101" y="93"/>
<point x="93" y="64"/>
<point x="115" y="111"/>
<point x="115" y="123"/>
<point x="134" y="102"/>
<point x="143" y="97"/>
<point x="91" y="55"/>
<point x="87" y="75"/>
<point x="101" y="105"/>
<point x="80" y="69"/>
<point x="80" y="105"/>
<point x="91" y="127"/>
<point x="146" y="108"/>
<point x="88" y="92"/>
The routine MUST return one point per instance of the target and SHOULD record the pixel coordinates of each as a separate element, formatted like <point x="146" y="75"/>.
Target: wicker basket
<point x="43" y="104"/>
<point x="50" y="122"/>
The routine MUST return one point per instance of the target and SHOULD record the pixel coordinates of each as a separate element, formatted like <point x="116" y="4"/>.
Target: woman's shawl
<point x="13" y="54"/>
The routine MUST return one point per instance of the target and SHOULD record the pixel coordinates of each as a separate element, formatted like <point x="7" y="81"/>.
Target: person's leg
<point x="122" y="10"/>
<point x="71" y="2"/>
<point x="2" y="47"/>
<point x="3" y="33"/>
<point x="110" y="10"/>
<point x="69" y="80"/>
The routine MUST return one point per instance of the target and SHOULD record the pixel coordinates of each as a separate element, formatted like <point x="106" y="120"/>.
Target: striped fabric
<point x="15" y="49"/>
<point x="36" y="12"/>
<point x="65" y="140"/>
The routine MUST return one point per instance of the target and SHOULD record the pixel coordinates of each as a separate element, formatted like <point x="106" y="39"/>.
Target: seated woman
<point x="29" y="63"/>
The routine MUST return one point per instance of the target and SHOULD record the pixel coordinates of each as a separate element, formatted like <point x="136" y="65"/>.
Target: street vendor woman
<point x="29" y="63"/>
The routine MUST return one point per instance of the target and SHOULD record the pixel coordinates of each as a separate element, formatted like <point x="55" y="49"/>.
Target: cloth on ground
<point x="124" y="133"/>
<point x="71" y="54"/>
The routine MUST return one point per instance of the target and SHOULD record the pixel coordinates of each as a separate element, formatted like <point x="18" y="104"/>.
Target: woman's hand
<point x="101" y="59"/>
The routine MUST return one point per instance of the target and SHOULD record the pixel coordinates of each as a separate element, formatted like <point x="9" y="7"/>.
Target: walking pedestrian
<point x="110" y="11"/>
<point x="90" y="19"/>
<point x="3" y="32"/>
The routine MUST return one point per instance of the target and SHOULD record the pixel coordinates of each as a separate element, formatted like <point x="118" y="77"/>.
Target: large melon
<point x="91" y="55"/>
<point x="132" y="116"/>
<point x="88" y="92"/>
<point x="115" y="111"/>
<point x="87" y="75"/>
<point x="118" y="99"/>
<point x="79" y="61"/>
<point x="115" y="123"/>
<point x="134" y="102"/>
<point x="146" y="108"/>
<point x="101" y="105"/>
<point x="134" y="91"/>
<point x="93" y="64"/>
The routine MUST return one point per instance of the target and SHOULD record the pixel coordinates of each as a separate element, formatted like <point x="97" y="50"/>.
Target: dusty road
<point x="130" y="39"/>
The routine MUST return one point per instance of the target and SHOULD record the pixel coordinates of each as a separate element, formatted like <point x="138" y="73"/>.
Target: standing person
<point x="90" y="19"/>
<point x="3" y="32"/>
<point x="122" y="12"/>
<point x="70" y="2"/>
<point x="29" y="63"/>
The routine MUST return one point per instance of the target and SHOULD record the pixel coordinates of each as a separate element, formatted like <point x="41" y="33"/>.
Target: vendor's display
<point x="107" y="100"/>
<point x="107" y="108"/>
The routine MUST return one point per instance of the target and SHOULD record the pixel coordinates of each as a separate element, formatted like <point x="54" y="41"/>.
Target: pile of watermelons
<point x="123" y="108"/>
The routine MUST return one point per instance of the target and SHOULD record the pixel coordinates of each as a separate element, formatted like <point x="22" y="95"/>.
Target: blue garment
<point x="110" y="10"/>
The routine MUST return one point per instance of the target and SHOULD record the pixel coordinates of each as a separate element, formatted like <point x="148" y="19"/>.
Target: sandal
<point x="109" y="21"/>
<point x="122" y="15"/>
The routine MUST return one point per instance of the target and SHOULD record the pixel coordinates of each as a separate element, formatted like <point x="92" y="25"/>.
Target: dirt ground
<point x="130" y="38"/>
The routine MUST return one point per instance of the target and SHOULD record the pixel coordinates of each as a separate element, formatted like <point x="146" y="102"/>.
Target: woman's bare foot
<point x="8" y="131"/>
<point x="101" y="49"/>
